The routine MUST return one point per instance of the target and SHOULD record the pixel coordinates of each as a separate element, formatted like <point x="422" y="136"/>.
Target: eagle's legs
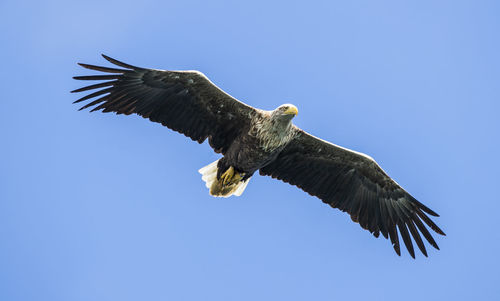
<point x="231" y="182"/>
<point x="230" y="176"/>
<point x="226" y="177"/>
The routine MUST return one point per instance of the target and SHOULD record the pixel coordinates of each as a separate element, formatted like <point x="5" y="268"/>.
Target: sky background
<point x="105" y="207"/>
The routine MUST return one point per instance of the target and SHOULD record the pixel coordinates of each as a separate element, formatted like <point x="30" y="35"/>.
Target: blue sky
<point x="105" y="207"/>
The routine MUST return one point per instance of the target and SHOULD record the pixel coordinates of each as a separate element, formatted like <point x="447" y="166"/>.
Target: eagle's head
<point x="285" y="112"/>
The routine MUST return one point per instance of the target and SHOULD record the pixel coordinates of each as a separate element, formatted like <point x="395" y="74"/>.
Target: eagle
<point x="252" y="140"/>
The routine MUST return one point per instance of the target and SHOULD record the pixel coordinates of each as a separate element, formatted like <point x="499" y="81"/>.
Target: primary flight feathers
<point x="253" y="140"/>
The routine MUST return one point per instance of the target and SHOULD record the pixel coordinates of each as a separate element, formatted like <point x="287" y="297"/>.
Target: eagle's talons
<point x="230" y="176"/>
<point x="227" y="176"/>
<point x="237" y="177"/>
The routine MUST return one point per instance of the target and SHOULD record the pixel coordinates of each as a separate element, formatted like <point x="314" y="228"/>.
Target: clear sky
<point x="105" y="207"/>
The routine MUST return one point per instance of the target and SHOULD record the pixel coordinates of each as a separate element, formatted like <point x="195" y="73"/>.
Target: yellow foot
<point x="227" y="176"/>
<point x="230" y="176"/>
<point x="237" y="177"/>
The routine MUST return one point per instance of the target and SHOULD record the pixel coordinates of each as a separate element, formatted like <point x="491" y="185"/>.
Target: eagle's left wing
<point x="184" y="101"/>
<point x="354" y="183"/>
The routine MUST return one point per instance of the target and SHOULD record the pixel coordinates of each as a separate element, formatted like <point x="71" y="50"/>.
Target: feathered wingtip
<point x="106" y="69"/>
<point x="110" y="80"/>
<point x="118" y="63"/>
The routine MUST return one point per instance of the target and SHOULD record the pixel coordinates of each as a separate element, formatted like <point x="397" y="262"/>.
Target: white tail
<point x="209" y="175"/>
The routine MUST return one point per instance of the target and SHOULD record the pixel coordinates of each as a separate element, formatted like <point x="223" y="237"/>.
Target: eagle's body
<point x="255" y="147"/>
<point x="253" y="140"/>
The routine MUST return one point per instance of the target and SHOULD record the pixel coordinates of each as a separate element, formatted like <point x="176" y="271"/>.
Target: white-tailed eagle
<point x="251" y="139"/>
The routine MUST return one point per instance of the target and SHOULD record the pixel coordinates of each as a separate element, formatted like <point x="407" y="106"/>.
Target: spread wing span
<point x="185" y="101"/>
<point x="354" y="183"/>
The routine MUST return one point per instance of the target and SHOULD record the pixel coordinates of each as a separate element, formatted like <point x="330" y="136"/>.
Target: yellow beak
<point x="292" y="110"/>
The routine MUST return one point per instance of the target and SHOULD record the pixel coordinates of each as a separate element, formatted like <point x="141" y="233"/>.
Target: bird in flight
<point x="252" y="140"/>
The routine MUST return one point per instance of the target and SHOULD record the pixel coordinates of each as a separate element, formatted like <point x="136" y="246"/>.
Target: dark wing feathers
<point x="185" y="101"/>
<point x="354" y="183"/>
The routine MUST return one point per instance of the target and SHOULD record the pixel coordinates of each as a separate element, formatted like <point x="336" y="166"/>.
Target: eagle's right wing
<point x="354" y="183"/>
<point x="185" y="101"/>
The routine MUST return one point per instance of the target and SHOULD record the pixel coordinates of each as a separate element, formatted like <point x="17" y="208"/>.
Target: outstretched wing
<point x="354" y="183"/>
<point x="185" y="101"/>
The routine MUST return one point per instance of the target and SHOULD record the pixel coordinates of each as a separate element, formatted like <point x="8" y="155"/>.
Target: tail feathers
<point x="209" y="175"/>
<point x="240" y="187"/>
